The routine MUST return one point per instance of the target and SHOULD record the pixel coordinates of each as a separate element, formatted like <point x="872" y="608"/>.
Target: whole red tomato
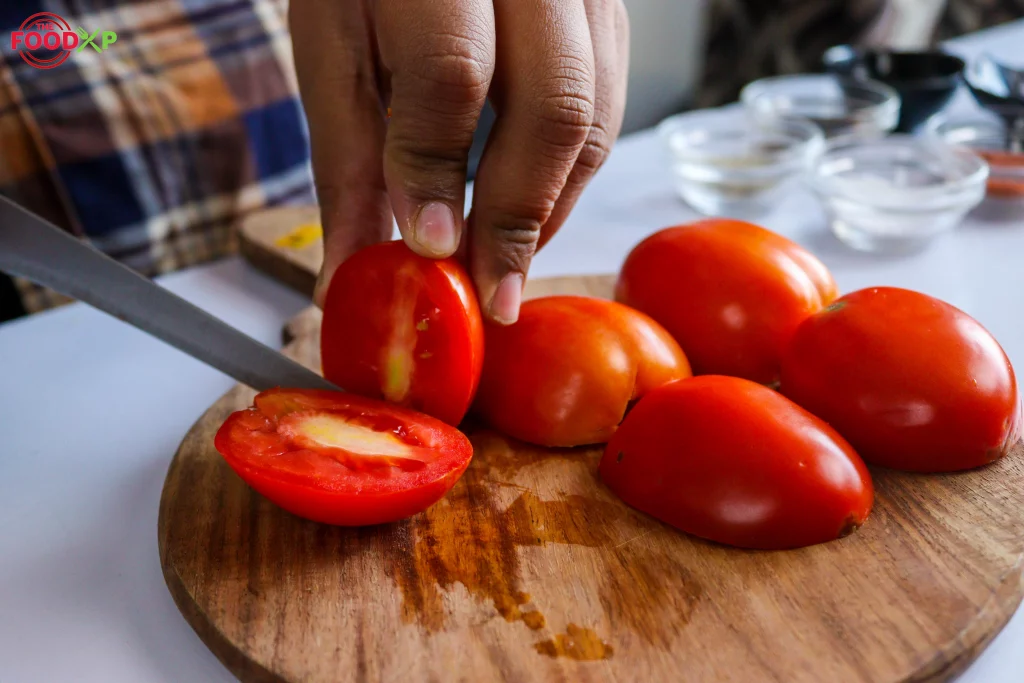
<point x="340" y="458"/>
<point x="404" y="328"/>
<point x="912" y="382"/>
<point x="564" y="374"/>
<point x="734" y="462"/>
<point x="731" y="293"/>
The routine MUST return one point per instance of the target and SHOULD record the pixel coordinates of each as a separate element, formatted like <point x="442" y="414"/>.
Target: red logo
<point x="44" y="40"/>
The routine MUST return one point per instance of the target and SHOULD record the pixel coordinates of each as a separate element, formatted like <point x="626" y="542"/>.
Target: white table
<point x="91" y="412"/>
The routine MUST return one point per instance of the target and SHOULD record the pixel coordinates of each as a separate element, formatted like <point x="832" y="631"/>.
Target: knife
<point x="37" y="250"/>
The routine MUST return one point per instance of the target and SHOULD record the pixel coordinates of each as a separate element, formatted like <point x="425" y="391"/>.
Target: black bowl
<point x="998" y="88"/>
<point x="925" y="81"/>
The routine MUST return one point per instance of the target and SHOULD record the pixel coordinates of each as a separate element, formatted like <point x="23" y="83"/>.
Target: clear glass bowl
<point x="986" y="136"/>
<point x="844" y="108"/>
<point x="899" y="193"/>
<point x="725" y="164"/>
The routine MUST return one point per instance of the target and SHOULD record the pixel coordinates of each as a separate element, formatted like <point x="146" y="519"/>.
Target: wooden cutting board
<point x="286" y="243"/>
<point x="531" y="570"/>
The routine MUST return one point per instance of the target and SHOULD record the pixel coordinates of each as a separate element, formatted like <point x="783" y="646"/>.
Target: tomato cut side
<point x="342" y="459"/>
<point x="356" y="445"/>
<point x="404" y="328"/>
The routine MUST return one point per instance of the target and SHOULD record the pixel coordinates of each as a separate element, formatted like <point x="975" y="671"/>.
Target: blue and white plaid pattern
<point x="154" y="148"/>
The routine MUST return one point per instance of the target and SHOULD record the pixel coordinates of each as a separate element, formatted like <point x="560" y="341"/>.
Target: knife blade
<point x="37" y="250"/>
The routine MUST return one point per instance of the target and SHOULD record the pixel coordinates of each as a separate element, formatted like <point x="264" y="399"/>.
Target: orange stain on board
<point x="472" y="540"/>
<point x="486" y="561"/>
<point x="581" y="644"/>
<point x="534" y="620"/>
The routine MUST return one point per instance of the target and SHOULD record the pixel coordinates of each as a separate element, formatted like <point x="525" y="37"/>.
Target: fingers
<point x="440" y="54"/>
<point x="544" y="94"/>
<point x="609" y="33"/>
<point x="334" y="61"/>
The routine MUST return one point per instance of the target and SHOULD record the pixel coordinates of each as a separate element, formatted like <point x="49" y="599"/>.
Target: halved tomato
<point x="735" y="462"/>
<point x="911" y="381"/>
<point x="342" y="459"/>
<point x="565" y="373"/>
<point x="404" y="328"/>
<point x="731" y="293"/>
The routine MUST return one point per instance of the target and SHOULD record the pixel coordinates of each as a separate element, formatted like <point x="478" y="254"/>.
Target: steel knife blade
<point x="37" y="250"/>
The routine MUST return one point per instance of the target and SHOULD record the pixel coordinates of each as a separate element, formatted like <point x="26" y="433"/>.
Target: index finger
<point x="441" y="57"/>
<point x="545" y="103"/>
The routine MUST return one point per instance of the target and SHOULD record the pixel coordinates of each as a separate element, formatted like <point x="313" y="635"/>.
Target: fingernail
<point x="435" y="229"/>
<point x="508" y="296"/>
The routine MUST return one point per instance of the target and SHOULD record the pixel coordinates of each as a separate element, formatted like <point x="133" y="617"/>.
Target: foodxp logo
<point x="45" y="40"/>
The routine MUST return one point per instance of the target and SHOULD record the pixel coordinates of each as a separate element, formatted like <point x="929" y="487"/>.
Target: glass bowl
<point x="899" y="193"/>
<point x="844" y="108"/>
<point x="724" y="164"/>
<point x="986" y="136"/>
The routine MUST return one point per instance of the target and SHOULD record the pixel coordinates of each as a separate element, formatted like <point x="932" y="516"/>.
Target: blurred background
<point x="155" y="149"/>
<point x="700" y="53"/>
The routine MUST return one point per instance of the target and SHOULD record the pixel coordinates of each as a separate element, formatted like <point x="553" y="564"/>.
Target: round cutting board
<point x="531" y="570"/>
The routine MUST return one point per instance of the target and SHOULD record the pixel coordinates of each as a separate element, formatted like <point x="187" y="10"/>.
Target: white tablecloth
<point x="91" y="412"/>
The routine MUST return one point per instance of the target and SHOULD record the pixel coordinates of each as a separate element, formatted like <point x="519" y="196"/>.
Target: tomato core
<point x="352" y="438"/>
<point x="347" y="441"/>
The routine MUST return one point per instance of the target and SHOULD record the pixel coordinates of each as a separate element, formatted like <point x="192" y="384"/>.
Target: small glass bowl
<point x="844" y="108"/>
<point x="724" y="164"/>
<point x="897" y="194"/>
<point x="986" y="136"/>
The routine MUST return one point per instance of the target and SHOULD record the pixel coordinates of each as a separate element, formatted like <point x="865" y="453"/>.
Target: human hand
<point x="555" y="73"/>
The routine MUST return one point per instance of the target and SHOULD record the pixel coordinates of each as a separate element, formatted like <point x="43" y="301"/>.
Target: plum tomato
<point x="731" y="293"/>
<point x="808" y="262"/>
<point x="404" y="328"/>
<point x="342" y="459"/>
<point x="911" y="381"/>
<point x="735" y="462"/>
<point x="565" y="373"/>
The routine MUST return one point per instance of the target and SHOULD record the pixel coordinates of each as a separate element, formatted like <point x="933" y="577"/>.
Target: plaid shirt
<point x="155" y="147"/>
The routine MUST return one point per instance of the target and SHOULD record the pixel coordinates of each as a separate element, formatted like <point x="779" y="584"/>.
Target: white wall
<point x="666" y="57"/>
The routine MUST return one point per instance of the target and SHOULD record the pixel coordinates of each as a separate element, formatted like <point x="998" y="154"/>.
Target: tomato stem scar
<point x="835" y="306"/>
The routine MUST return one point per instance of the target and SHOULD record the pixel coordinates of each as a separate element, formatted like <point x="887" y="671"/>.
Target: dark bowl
<point x="925" y="81"/>
<point x="998" y="88"/>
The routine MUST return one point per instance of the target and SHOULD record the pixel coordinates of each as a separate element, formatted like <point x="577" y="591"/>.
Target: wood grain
<point x="531" y="570"/>
<point x="296" y="267"/>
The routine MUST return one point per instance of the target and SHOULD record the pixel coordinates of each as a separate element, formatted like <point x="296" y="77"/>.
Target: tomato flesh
<point x="565" y="373"/>
<point x="340" y="458"/>
<point x="404" y="328"/>
<point x="349" y="442"/>
<point x="731" y="293"/>
<point x="734" y="462"/>
<point x="912" y="382"/>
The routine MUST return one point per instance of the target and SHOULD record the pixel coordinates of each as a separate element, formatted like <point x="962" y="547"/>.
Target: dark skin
<point x="555" y="73"/>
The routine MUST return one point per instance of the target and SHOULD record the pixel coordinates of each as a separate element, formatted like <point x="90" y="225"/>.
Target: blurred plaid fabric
<point x="154" y="148"/>
<point x="752" y="39"/>
<point x="965" y="16"/>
